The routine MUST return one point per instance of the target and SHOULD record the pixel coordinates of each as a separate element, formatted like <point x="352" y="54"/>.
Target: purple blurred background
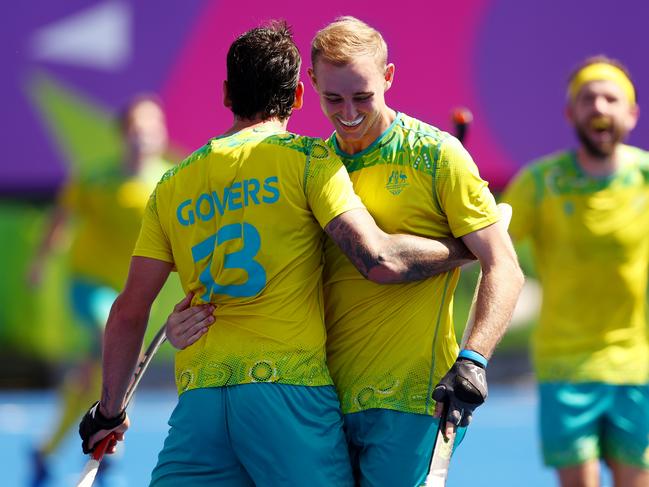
<point x="69" y="65"/>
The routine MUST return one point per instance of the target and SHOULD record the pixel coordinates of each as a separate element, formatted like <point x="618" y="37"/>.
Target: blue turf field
<point x="500" y="448"/>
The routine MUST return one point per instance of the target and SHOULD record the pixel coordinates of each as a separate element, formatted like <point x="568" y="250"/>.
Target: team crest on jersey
<point x="397" y="182"/>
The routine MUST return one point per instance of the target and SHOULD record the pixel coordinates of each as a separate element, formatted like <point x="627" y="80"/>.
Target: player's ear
<point x="632" y="119"/>
<point x="299" y="96"/>
<point x="313" y="79"/>
<point x="389" y="76"/>
<point x="569" y="113"/>
<point x="227" y="102"/>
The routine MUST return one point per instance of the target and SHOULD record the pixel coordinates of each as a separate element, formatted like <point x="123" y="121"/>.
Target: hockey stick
<point x="461" y="118"/>
<point x="443" y="448"/>
<point x="90" y="469"/>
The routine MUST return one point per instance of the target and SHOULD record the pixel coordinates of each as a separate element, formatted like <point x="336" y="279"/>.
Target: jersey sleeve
<point x="463" y="195"/>
<point x="520" y="194"/>
<point x="328" y="188"/>
<point x="152" y="241"/>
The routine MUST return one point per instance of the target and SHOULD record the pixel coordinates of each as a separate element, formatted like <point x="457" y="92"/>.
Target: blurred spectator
<point x="107" y="209"/>
<point x="586" y="212"/>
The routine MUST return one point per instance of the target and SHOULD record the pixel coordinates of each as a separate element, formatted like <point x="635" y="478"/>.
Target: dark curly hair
<point x="263" y="72"/>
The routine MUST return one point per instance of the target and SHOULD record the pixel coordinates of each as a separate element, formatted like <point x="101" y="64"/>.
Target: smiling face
<point x="352" y="98"/>
<point x="602" y="116"/>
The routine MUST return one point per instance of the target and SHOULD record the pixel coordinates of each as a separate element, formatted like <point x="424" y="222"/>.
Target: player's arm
<point x="379" y="256"/>
<point x="392" y="258"/>
<point x="124" y="336"/>
<point x="464" y="387"/>
<point x="502" y="281"/>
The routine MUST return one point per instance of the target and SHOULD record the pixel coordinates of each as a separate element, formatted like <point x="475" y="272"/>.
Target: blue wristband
<point x="475" y="356"/>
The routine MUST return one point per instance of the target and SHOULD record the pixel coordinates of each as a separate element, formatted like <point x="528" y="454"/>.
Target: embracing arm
<point x="125" y="330"/>
<point x="464" y="387"/>
<point x="386" y="258"/>
<point x="501" y="283"/>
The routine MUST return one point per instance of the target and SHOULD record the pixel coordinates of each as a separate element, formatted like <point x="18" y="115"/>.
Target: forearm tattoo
<point x="399" y="258"/>
<point x="349" y="242"/>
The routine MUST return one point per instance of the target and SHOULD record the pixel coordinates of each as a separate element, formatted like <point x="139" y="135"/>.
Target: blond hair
<point x="347" y="38"/>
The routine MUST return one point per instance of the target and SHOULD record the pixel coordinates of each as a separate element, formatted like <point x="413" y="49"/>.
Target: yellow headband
<point x="598" y="72"/>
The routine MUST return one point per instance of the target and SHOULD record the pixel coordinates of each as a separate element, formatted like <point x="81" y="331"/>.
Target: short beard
<point x="599" y="151"/>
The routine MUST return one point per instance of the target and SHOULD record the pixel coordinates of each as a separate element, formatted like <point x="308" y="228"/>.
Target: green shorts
<point x="255" y="435"/>
<point x="581" y="422"/>
<point x="391" y="448"/>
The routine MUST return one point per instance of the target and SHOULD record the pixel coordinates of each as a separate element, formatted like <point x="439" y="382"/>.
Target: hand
<point x="94" y="427"/>
<point x="460" y="391"/>
<point x="187" y="323"/>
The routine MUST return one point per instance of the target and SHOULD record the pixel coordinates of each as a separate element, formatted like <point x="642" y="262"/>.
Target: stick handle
<point x="90" y="469"/>
<point x="92" y="466"/>
<point x="151" y="350"/>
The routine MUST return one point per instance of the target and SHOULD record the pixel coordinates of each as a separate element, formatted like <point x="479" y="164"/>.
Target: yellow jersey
<point x="388" y="345"/>
<point x="108" y="210"/>
<point x="590" y="239"/>
<point x="241" y="219"/>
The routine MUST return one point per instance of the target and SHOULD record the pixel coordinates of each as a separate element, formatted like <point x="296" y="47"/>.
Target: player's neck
<point x="598" y="166"/>
<point x="248" y="123"/>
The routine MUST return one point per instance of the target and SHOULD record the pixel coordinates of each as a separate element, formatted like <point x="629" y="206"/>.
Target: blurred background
<point x="70" y="67"/>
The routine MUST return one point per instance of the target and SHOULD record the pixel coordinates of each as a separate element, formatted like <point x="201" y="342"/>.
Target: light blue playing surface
<point x="501" y="446"/>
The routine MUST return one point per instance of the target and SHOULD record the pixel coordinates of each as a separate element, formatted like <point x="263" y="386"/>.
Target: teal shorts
<point x="391" y="448"/>
<point x="91" y="302"/>
<point x="581" y="422"/>
<point x="255" y="435"/>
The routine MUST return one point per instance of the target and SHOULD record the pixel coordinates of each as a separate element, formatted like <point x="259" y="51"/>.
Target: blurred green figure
<point x="107" y="209"/>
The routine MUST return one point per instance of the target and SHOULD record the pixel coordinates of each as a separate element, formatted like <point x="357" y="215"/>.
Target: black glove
<point x="93" y="421"/>
<point x="462" y="389"/>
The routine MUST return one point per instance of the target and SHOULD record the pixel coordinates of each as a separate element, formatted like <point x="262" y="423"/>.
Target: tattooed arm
<point x="385" y="258"/>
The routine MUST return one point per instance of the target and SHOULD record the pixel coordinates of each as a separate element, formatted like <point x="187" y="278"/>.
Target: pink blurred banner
<point x="68" y="66"/>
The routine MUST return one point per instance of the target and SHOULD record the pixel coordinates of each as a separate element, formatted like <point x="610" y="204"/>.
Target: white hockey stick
<point x="443" y="449"/>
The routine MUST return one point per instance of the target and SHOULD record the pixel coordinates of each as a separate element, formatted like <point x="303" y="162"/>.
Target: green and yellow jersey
<point x="388" y="345"/>
<point x="108" y="210"/>
<point x="590" y="240"/>
<point x="242" y="219"/>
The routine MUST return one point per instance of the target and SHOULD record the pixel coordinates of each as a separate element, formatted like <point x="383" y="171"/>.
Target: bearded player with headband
<point x="587" y="214"/>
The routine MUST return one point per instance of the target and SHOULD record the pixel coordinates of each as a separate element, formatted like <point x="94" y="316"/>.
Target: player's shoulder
<point x="104" y="180"/>
<point x="636" y="154"/>
<point x="302" y="145"/>
<point x="426" y="147"/>
<point x="555" y="161"/>
<point x="637" y="151"/>
<point x="421" y="134"/>
<point x="636" y="159"/>
<point x="105" y="173"/>
<point x="198" y="155"/>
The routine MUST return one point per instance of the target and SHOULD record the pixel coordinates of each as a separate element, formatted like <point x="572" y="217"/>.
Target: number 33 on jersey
<point x="242" y="220"/>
